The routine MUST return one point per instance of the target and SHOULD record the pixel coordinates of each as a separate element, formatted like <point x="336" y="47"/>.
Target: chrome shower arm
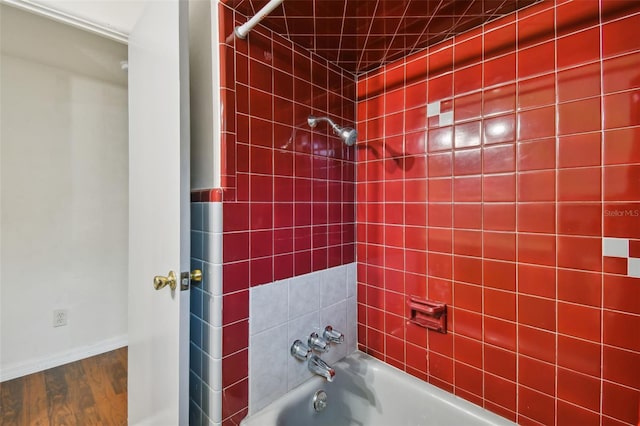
<point x="313" y="122"/>
<point x="347" y="134"/>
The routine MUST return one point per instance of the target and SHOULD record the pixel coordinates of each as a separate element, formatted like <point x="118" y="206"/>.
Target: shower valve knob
<point x="300" y="351"/>
<point x="332" y="335"/>
<point x="317" y="343"/>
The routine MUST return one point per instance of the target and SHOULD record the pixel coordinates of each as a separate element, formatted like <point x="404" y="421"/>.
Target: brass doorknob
<point x="160" y="282"/>
<point x="196" y="275"/>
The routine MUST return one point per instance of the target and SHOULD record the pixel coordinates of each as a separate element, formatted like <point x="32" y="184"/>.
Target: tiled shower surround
<point x="288" y="192"/>
<point x="499" y="172"/>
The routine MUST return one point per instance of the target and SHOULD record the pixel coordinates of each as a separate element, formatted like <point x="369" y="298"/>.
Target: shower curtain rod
<point x="241" y="31"/>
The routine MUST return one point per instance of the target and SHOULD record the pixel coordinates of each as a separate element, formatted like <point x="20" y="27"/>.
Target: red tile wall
<point x="498" y="204"/>
<point x="288" y="192"/>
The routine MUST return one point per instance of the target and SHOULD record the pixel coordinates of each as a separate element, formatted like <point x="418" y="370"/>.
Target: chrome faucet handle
<point x="331" y="335"/>
<point x="317" y="343"/>
<point x="300" y="351"/>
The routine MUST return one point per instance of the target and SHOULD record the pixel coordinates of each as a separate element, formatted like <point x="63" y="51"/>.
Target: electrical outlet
<point x="59" y="317"/>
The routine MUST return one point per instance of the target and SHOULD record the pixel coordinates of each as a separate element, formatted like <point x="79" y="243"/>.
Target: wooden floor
<point x="92" y="391"/>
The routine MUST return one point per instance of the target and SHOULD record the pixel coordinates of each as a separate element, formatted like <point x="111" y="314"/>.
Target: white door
<point x="158" y="215"/>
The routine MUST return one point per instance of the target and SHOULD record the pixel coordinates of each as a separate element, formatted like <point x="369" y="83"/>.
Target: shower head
<point x="347" y="134"/>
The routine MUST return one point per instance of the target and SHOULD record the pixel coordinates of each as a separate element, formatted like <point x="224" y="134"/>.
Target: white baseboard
<point x="24" y="368"/>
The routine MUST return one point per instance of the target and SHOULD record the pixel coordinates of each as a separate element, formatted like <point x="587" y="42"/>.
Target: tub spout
<point x="321" y="368"/>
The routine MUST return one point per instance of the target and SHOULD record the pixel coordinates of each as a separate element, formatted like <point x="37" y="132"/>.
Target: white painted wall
<point x="119" y="15"/>
<point x="64" y="197"/>
<point x="204" y="94"/>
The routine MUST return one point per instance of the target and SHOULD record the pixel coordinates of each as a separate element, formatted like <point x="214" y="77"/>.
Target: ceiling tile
<point x="360" y="35"/>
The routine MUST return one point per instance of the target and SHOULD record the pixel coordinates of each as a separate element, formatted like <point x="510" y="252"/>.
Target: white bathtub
<point x="367" y="392"/>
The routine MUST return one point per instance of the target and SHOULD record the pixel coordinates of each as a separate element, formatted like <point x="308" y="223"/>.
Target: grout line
<point x="515" y="231"/>
<point x="602" y="223"/>
<point x="556" y="196"/>
<point x="395" y="34"/>
<point x="367" y="36"/>
<point x="482" y="194"/>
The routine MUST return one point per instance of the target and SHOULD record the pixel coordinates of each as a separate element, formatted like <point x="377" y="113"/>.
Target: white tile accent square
<point x="351" y="332"/>
<point x="212" y="247"/>
<point x="615" y="247"/>
<point x="268" y="354"/>
<point x="303" y="295"/>
<point x="210" y="372"/>
<point x="212" y="217"/>
<point x="207" y="304"/>
<point x="446" y="118"/>
<point x="212" y="341"/>
<point x="633" y="267"/>
<point x="335" y="316"/>
<point x="212" y="405"/>
<point x="333" y="286"/>
<point x="215" y="311"/>
<point x="268" y="306"/>
<point x="352" y="279"/>
<point x="433" y="109"/>
<point x="212" y="280"/>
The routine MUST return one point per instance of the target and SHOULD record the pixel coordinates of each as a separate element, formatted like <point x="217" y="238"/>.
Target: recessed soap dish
<point x="428" y="314"/>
